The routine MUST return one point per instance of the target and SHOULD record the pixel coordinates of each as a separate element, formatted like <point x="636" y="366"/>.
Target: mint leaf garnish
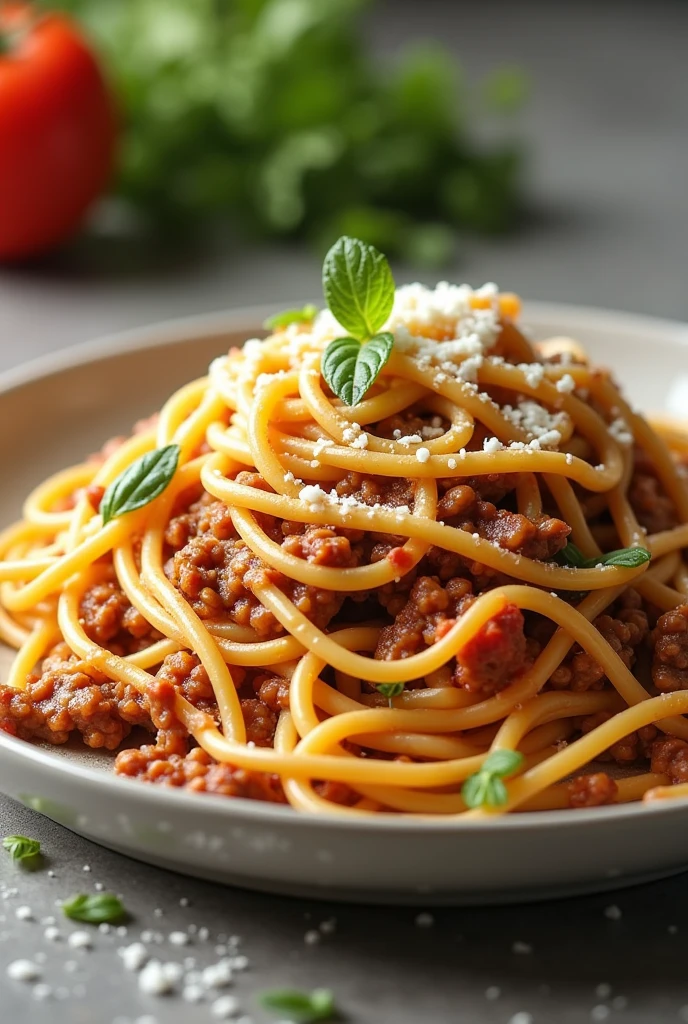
<point x="350" y="368"/>
<point x="486" y="787"/>
<point x="359" y="289"/>
<point x="358" y="286"/>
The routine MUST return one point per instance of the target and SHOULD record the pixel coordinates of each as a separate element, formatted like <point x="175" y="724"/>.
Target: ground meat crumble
<point x="670" y="656"/>
<point x="66" y="698"/>
<point x="592" y="790"/>
<point x="493" y="658"/>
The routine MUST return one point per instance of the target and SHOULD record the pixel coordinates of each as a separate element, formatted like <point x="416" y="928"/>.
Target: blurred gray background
<point x="607" y="125"/>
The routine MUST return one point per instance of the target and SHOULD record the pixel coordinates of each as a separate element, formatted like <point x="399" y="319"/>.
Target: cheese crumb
<point x="225" y="1007"/>
<point x="314" y="497"/>
<point x="468" y="369"/>
<point x="361" y="441"/>
<point x="156" y="978"/>
<point x="621" y="431"/>
<point x="533" y="373"/>
<point x="566" y="384"/>
<point x="80" y="940"/>
<point x="133" y="956"/>
<point x="193" y="993"/>
<point x="492" y="444"/>
<point x="452" y="463"/>
<point x="218" y="975"/>
<point x="351" y="433"/>
<point x="24" y="914"/>
<point x="23" y="970"/>
<point x="320" y="445"/>
<point x="422" y="454"/>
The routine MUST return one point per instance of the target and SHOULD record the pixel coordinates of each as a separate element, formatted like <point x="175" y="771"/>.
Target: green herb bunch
<point x="274" y="113"/>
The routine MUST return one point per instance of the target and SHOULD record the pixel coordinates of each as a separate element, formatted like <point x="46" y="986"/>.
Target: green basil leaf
<point x="98" y="908"/>
<point x="358" y="286"/>
<point x="390" y="690"/>
<point x="317" y="1005"/>
<point x="140" y="483"/>
<point x="628" y="558"/>
<point x="496" y="794"/>
<point x="571" y="555"/>
<point x="305" y="315"/>
<point x="350" y="368"/>
<point x="485" y="788"/>
<point x="21" y="847"/>
<point x="474" y="789"/>
<point x="502" y="762"/>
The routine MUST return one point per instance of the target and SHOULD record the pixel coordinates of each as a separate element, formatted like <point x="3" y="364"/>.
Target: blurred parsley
<point x="273" y="112"/>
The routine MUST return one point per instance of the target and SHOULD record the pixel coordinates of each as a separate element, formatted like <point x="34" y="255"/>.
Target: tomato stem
<point x="13" y="35"/>
<point x="9" y="41"/>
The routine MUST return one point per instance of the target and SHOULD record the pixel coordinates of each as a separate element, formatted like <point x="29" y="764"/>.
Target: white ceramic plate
<point x="57" y="409"/>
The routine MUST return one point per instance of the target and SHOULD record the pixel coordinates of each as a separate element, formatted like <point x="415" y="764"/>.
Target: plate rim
<point x="180" y="330"/>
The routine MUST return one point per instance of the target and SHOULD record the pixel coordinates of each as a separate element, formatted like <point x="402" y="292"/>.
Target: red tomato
<point x="57" y="130"/>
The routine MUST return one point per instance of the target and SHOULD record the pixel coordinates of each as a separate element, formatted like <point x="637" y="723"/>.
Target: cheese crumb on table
<point x="23" y="970"/>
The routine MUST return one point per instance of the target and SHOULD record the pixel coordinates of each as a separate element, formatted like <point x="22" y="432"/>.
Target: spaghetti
<point x="353" y="608"/>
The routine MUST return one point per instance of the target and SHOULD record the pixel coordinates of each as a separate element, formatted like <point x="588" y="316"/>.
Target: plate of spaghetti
<point x="390" y="602"/>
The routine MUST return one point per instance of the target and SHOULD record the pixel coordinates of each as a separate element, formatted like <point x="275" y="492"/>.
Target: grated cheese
<point x="620" y="431"/>
<point x="23" y="970"/>
<point x="492" y="444"/>
<point x="320" y="445"/>
<point x="533" y="372"/>
<point x="566" y="384"/>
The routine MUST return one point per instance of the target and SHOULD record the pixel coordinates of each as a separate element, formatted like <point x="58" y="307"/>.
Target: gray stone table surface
<point x="607" y="126"/>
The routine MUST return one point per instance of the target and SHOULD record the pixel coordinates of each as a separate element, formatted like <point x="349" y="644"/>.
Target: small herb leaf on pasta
<point x="142" y="482"/>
